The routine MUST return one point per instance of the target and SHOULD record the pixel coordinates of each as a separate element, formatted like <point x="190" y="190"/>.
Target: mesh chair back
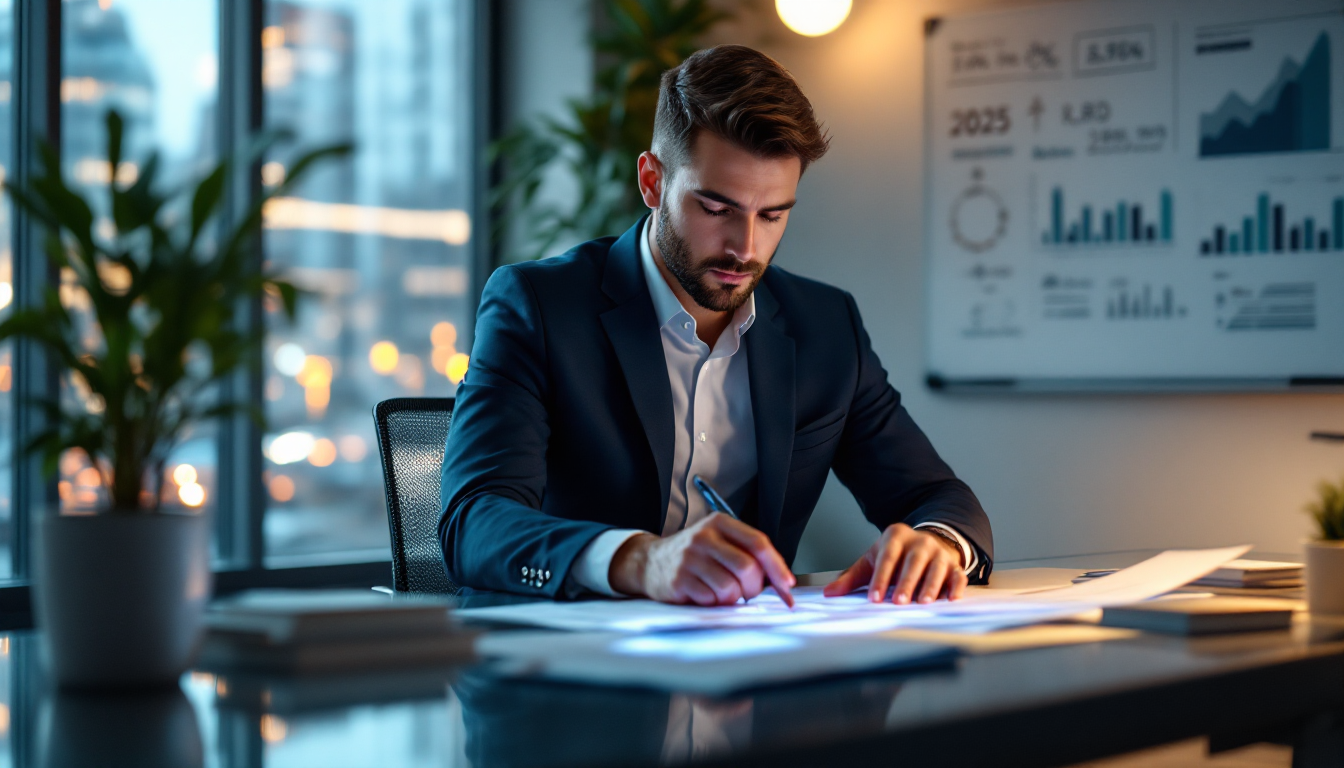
<point x="411" y="436"/>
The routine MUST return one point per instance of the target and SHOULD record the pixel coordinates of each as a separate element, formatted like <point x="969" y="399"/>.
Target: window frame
<point x="241" y="499"/>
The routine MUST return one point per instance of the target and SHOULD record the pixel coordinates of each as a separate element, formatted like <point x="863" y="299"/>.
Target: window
<point x="381" y="243"/>
<point x="6" y="291"/>
<point x="155" y="62"/>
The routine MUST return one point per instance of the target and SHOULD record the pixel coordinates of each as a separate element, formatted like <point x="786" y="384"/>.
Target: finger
<point x="726" y="588"/>
<point x="855" y="576"/>
<point x="892" y="549"/>
<point x="740" y="564"/>
<point x="758" y="544"/>
<point x="912" y="570"/>
<point x="956" y="585"/>
<point x="935" y="576"/>
<point x="689" y="588"/>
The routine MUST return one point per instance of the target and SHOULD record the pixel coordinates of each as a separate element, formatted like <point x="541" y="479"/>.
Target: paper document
<point x="711" y="662"/>
<point x="853" y="614"/>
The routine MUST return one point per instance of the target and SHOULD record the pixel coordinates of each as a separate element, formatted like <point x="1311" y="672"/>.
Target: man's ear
<point x="651" y="179"/>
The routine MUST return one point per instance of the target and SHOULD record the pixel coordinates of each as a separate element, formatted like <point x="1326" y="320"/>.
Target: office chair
<point x="411" y="435"/>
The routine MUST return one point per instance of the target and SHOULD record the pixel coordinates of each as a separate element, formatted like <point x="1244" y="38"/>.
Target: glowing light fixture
<point x="290" y="447"/>
<point x="353" y="448"/>
<point x="289" y="359"/>
<point x="450" y="226"/>
<point x="184" y="474"/>
<point x="323" y="453"/>
<point x="273" y="729"/>
<point x="383" y="357"/>
<point x="813" y="18"/>
<point x="7" y="295"/>
<point x="192" y="494"/>
<point x="457" y="367"/>
<point x="281" y="488"/>
<point x="443" y="334"/>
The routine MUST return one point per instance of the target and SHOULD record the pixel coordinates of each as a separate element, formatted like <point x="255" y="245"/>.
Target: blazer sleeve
<point x="494" y="533"/>
<point x="892" y="469"/>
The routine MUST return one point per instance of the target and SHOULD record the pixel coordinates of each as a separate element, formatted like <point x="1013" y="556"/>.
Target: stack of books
<point x="322" y="631"/>
<point x="1202" y="616"/>
<point x="1261" y="574"/>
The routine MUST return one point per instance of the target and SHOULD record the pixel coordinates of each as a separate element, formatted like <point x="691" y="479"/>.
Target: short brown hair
<point x="740" y="95"/>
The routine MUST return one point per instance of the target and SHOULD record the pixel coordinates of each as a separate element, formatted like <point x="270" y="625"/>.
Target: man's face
<point x="721" y="217"/>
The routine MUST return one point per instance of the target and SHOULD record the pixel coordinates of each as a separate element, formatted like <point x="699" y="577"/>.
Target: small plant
<point x="1328" y="511"/>
<point x="165" y="288"/>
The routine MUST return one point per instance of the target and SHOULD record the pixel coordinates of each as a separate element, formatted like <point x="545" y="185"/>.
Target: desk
<point x="1048" y="706"/>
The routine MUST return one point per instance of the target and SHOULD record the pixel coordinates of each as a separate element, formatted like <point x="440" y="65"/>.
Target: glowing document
<point x="818" y="616"/>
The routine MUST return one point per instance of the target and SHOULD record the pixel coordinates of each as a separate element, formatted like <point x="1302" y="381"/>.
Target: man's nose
<point x="743" y="244"/>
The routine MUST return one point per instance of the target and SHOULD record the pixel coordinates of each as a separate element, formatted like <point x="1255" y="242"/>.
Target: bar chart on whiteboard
<point x="1136" y="194"/>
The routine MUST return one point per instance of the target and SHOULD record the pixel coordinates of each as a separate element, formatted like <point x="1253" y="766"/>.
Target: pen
<point x="717" y="504"/>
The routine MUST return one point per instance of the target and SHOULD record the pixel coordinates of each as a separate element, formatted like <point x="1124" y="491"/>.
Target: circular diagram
<point x="979" y="218"/>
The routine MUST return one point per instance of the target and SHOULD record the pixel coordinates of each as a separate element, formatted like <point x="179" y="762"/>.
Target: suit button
<point x="524" y="570"/>
<point x="547" y="575"/>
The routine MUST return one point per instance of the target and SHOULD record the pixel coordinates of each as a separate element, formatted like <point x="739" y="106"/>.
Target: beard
<point x="694" y="276"/>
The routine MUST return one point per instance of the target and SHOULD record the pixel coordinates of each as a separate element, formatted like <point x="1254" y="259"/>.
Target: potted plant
<point x="120" y="594"/>
<point x="1325" y="553"/>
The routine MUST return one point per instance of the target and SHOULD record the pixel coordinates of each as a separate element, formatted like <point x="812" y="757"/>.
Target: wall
<point x="545" y="61"/>
<point x="1058" y="474"/>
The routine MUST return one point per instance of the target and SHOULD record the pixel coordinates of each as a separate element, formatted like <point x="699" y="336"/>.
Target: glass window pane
<point x="6" y="289"/>
<point x="381" y="243"/>
<point x="155" y="62"/>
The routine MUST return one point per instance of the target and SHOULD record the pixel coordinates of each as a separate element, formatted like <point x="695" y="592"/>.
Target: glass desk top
<point x="1124" y="694"/>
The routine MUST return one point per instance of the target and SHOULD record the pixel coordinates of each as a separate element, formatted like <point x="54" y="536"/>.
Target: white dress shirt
<point x="714" y="427"/>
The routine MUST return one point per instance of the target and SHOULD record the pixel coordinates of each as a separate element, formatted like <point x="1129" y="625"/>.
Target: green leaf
<point x="114" y="134"/>
<point x="205" y="200"/>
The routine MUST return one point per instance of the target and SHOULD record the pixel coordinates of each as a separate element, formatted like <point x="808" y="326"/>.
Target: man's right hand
<point x="717" y="561"/>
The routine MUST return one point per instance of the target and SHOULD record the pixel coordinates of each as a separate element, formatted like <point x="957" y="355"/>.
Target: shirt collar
<point x="666" y="305"/>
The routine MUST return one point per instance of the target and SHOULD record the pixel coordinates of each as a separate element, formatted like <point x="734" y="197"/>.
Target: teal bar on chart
<point x="1262" y="211"/>
<point x="1165" y="235"/>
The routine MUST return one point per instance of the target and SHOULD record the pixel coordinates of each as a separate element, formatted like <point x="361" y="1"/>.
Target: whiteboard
<point x="1136" y="195"/>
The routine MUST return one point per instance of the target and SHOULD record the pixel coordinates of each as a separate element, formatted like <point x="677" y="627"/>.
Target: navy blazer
<point x="563" y="427"/>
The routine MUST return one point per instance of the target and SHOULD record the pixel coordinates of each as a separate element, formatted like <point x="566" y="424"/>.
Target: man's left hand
<point x="921" y="567"/>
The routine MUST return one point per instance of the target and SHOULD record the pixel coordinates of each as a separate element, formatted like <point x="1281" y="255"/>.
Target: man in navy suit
<point x="604" y="380"/>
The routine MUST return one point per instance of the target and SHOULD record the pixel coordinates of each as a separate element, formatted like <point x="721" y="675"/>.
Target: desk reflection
<point x="147" y="728"/>
<point x="522" y="723"/>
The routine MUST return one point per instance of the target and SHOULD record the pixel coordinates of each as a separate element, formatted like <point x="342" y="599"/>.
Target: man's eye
<point x="712" y="212"/>
<point x="772" y="219"/>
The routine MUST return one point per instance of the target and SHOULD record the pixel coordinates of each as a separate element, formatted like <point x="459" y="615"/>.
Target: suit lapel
<point x="632" y="328"/>
<point x="770" y="364"/>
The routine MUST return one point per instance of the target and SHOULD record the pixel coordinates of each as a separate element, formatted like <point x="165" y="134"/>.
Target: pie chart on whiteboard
<point x="979" y="218"/>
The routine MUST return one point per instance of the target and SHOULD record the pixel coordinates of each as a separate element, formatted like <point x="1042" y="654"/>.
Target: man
<point x="604" y="380"/>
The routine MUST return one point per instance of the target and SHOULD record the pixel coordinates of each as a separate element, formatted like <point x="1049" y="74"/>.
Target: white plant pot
<point x="1325" y="577"/>
<point x="120" y="598"/>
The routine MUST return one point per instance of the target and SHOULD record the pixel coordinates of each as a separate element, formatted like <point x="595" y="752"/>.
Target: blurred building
<point x="379" y="241"/>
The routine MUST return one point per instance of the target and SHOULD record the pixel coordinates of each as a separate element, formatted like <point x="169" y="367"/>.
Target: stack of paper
<point x="719" y="649"/>
<point x="322" y="631"/>
<point x="1254" y="573"/>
